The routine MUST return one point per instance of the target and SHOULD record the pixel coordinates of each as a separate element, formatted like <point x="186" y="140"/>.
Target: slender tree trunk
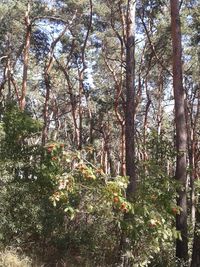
<point x="123" y="159"/>
<point x="196" y="159"/>
<point x="9" y="79"/>
<point x="72" y="101"/>
<point x="145" y="125"/>
<point x="130" y="98"/>
<point x="14" y="83"/>
<point x="190" y="144"/>
<point x="91" y="125"/>
<point x="196" y="243"/>
<point x="46" y="108"/>
<point x="129" y="118"/>
<point x="81" y="73"/>
<point x="26" y="58"/>
<point x="160" y="109"/>
<point x="47" y="80"/>
<point x="181" y="132"/>
<point x="80" y="111"/>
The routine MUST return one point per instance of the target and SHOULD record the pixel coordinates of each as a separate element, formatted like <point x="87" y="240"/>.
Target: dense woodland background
<point x="100" y="133"/>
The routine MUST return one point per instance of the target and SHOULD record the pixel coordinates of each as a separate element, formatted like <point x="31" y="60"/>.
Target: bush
<point x="12" y="258"/>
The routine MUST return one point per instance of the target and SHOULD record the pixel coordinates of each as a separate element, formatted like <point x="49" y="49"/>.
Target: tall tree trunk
<point x="181" y="132"/>
<point x="196" y="159"/>
<point x="26" y="58"/>
<point x="129" y="118"/>
<point x="81" y="73"/>
<point x="130" y="97"/>
<point x="196" y="243"/>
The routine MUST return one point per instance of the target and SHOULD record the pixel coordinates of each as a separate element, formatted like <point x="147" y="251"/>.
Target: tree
<point x="130" y="97"/>
<point x="181" y="132"/>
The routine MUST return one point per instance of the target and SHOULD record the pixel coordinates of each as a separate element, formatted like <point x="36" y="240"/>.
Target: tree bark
<point x="130" y="98"/>
<point x="195" y="172"/>
<point x="26" y="58"/>
<point x="81" y="72"/>
<point x="196" y="243"/>
<point x="181" y="132"/>
<point x="46" y="107"/>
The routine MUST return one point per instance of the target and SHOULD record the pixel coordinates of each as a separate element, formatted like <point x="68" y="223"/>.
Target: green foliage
<point x="55" y="197"/>
<point x="151" y="228"/>
<point x="85" y="189"/>
<point x="27" y="215"/>
<point x="19" y="128"/>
